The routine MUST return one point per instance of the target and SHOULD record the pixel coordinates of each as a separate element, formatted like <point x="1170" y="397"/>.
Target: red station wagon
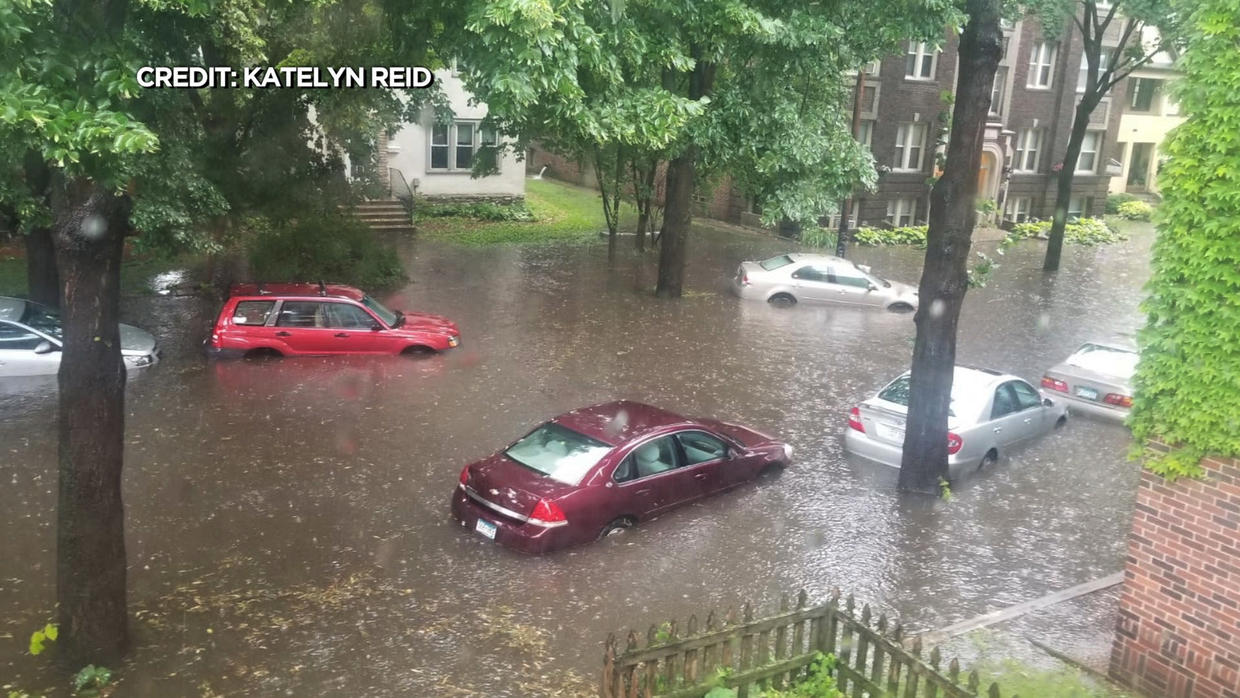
<point x="598" y="470"/>
<point x="306" y="319"/>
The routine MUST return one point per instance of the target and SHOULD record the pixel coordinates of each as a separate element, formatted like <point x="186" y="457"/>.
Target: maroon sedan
<point x="601" y="469"/>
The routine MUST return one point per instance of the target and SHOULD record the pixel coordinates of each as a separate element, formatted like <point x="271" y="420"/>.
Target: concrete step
<point x="384" y="218"/>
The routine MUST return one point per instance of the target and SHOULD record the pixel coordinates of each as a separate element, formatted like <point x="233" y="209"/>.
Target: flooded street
<point x="287" y="520"/>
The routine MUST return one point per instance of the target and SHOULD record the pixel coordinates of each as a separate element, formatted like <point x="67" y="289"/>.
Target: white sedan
<point x="818" y="278"/>
<point x="30" y="340"/>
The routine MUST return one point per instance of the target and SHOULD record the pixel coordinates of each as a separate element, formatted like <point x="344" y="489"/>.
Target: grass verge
<point x="136" y="273"/>
<point x="562" y="214"/>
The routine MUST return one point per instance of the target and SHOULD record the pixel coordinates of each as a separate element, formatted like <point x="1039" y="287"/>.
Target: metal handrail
<point x="405" y="191"/>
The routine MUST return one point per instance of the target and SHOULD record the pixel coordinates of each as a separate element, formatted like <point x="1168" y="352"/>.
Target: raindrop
<point x="94" y="226"/>
<point x="937" y="308"/>
<point x="1044" y="321"/>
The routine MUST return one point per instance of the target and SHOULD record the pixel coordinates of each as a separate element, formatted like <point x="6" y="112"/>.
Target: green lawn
<point x="136" y="274"/>
<point x="563" y="213"/>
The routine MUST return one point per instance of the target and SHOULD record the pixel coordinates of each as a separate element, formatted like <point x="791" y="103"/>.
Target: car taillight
<point x="465" y="476"/>
<point x="742" y="276"/>
<point x="1054" y="384"/>
<point x="1118" y="400"/>
<point x="954" y="442"/>
<point x="215" y="339"/>
<point x="547" y="513"/>
<point x="854" y="420"/>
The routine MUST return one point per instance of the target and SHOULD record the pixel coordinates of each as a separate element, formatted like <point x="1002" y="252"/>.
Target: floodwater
<point x="287" y="521"/>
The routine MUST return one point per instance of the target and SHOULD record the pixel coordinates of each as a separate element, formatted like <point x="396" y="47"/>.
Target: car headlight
<point x="454" y="341"/>
<point x="788" y="451"/>
<point x="138" y="361"/>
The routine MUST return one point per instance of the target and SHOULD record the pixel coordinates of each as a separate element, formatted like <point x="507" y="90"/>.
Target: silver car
<point x="990" y="412"/>
<point x="1096" y="379"/>
<point x="819" y="278"/>
<point x="30" y="340"/>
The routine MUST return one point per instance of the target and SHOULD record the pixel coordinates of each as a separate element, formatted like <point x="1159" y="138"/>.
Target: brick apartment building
<point x="1035" y="94"/>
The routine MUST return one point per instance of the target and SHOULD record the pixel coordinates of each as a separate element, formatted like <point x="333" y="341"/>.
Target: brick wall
<point x="1178" y="633"/>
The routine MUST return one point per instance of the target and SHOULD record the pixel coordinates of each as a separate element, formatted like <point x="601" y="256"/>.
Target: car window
<point x="655" y="457"/>
<point x="252" y="312"/>
<point x="1106" y="360"/>
<point x="15" y="338"/>
<point x="301" y="314"/>
<point x="625" y="471"/>
<point x="558" y="452"/>
<point x="898" y="392"/>
<point x="42" y="318"/>
<point x="345" y="316"/>
<point x="774" y="263"/>
<point x="1005" y="401"/>
<point x="700" y="447"/>
<point x="809" y="273"/>
<point x="848" y="277"/>
<point x="1026" y="396"/>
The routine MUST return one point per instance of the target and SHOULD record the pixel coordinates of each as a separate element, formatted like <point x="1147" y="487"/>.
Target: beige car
<point x="793" y="278"/>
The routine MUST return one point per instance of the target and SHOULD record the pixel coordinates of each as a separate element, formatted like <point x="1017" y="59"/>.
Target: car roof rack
<point x="322" y="288"/>
<point x="263" y="291"/>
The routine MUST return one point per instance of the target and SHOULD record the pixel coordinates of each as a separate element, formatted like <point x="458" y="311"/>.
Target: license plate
<point x="889" y="432"/>
<point x="1087" y="393"/>
<point x="486" y="528"/>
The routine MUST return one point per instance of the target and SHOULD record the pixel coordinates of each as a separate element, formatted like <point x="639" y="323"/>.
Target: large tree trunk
<point x="944" y="279"/>
<point x="678" y="216"/>
<point x="42" y="281"/>
<point x="1080" y="124"/>
<point x="89" y="225"/>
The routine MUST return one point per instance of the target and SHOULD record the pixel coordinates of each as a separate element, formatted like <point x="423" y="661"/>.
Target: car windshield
<point x="42" y="318"/>
<point x="387" y="316"/>
<point x="559" y="453"/>
<point x="1111" y="361"/>
<point x="898" y="390"/>
<point x="773" y="263"/>
<point x="875" y="279"/>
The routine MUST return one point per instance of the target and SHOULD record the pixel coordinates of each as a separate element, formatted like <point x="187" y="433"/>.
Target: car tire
<point x="782" y="299"/>
<point x="418" y="351"/>
<point x="988" y="460"/>
<point x="900" y="308"/>
<point x="771" y="472"/>
<point x="1059" y="423"/>
<point x="262" y="354"/>
<point x="617" y="526"/>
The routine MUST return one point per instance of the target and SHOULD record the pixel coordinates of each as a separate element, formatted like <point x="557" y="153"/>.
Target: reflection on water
<point x="287" y="520"/>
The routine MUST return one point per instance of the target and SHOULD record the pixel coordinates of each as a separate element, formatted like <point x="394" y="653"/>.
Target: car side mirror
<point x="1047" y="402"/>
<point x="873" y="287"/>
<point x="45" y="347"/>
<point x="375" y="327"/>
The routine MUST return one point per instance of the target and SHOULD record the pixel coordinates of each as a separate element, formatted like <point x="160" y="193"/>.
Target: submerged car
<point x="599" y="470"/>
<point x="817" y="278"/>
<point x="989" y="413"/>
<point x="1096" y="379"/>
<point x="31" y="340"/>
<point x="313" y="319"/>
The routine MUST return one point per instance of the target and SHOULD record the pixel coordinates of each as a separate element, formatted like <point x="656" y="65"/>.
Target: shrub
<point x="909" y="235"/>
<point x="482" y="211"/>
<point x="1082" y="231"/>
<point x="1114" y="201"/>
<point x="1135" y="210"/>
<point x="818" y="237"/>
<point x="329" y="248"/>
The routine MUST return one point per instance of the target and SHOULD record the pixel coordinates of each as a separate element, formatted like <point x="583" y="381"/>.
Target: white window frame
<point x="1042" y="60"/>
<point x="866" y="135"/>
<point x="909" y="137"/>
<point x="921" y="52"/>
<point x="1017" y="208"/>
<point x="1077" y="206"/>
<point x="1092" y="148"/>
<point x="1027" y="140"/>
<point x="902" y="212"/>
<point x="998" y="91"/>
<point x="871" y="113"/>
<point x="452" y="145"/>
<point x="871" y="69"/>
<point x="833" y="221"/>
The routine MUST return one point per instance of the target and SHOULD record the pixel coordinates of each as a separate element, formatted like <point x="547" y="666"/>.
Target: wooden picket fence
<point x="777" y="651"/>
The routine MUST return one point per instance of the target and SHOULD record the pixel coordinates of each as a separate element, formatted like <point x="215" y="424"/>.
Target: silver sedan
<point x="1096" y="379"/>
<point x="990" y="412"/>
<point x="30" y="340"/>
<point x="819" y="278"/>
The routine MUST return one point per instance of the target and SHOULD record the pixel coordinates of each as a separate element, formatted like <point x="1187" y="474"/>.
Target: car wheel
<point x="418" y="351"/>
<point x="900" y="308"/>
<point x="988" y="460"/>
<point x="1063" y="419"/>
<point x="617" y="526"/>
<point x="782" y="299"/>
<point x="260" y="354"/>
<point x="771" y="472"/>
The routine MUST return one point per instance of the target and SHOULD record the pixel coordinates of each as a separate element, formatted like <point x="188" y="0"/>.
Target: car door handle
<point x="699" y="476"/>
<point x="284" y="334"/>
<point x="645" y="491"/>
<point x="342" y="334"/>
<point x="998" y="429"/>
<point x="1029" y="420"/>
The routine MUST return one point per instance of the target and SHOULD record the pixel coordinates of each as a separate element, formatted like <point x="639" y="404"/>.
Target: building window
<point x="871" y="69"/>
<point x="901" y="212"/>
<point x="455" y="146"/>
<point x="998" y="91"/>
<point x="920" y="61"/>
<point x="865" y="134"/>
<point x="910" y="143"/>
<point x="1142" y="91"/>
<point x="1018" y="209"/>
<point x="1087" y="163"/>
<point x="833" y="221"/>
<point x="1028" y="150"/>
<point x="1041" y="64"/>
<point x="1079" y="206"/>
<point x="869" y="100"/>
